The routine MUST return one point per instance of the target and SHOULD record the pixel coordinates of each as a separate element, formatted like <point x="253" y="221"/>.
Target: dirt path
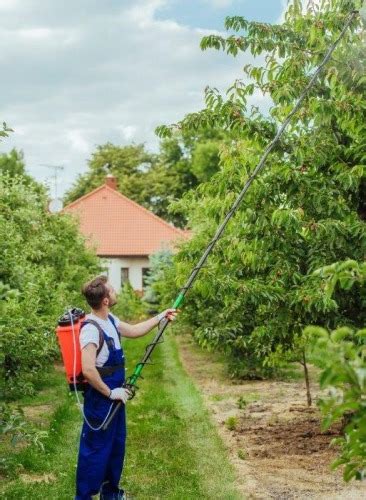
<point x="273" y="439"/>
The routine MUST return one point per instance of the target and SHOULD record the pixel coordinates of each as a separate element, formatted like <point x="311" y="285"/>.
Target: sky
<point x="79" y="73"/>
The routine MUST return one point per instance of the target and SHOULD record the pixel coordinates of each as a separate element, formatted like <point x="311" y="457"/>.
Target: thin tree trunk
<point x="307" y="381"/>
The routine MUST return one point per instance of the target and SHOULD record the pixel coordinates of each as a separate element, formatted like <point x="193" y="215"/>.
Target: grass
<point x="232" y="423"/>
<point x="173" y="450"/>
<point x="242" y="454"/>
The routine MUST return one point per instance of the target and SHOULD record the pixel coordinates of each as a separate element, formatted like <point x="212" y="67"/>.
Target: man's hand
<point x="170" y="314"/>
<point x="121" y="394"/>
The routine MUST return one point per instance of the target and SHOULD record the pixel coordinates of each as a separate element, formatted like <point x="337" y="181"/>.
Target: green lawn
<point x="173" y="451"/>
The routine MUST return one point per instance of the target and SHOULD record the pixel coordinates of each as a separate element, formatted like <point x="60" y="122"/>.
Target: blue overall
<point x="101" y="453"/>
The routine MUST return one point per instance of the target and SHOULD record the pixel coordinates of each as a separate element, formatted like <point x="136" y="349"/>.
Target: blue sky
<point x="78" y="73"/>
<point x="210" y="14"/>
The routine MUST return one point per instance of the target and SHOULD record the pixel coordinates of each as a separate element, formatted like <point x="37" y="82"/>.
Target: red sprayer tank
<point x="68" y="339"/>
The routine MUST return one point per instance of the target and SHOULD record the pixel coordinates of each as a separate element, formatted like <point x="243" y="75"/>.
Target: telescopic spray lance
<point x="131" y="381"/>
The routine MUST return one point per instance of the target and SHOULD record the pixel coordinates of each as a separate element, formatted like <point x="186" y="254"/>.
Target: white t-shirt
<point x="89" y="335"/>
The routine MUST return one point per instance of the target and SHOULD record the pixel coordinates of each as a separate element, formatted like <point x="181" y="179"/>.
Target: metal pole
<point x="55" y="168"/>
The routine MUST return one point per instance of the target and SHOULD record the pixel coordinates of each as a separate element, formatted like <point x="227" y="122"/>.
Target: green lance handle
<point x="131" y="381"/>
<point x="164" y="323"/>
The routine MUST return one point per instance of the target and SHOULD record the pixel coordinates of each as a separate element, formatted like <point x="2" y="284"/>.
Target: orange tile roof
<point x="117" y="225"/>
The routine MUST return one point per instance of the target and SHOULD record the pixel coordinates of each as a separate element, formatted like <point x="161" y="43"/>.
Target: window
<point x="145" y="274"/>
<point x="124" y="276"/>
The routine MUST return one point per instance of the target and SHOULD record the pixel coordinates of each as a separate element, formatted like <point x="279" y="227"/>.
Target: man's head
<point x="99" y="293"/>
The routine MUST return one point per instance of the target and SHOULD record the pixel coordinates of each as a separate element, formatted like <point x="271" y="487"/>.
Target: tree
<point x="155" y="180"/>
<point x="12" y="164"/>
<point x="257" y="291"/>
<point x="4" y="130"/>
<point x="130" y="305"/>
<point x="184" y="161"/>
<point x="341" y="356"/>
<point x="205" y="160"/>
<point x="44" y="263"/>
<point x="140" y="175"/>
<point x="126" y="163"/>
<point x="159" y="262"/>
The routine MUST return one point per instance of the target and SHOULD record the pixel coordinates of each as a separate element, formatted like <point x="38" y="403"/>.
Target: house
<point x="124" y="233"/>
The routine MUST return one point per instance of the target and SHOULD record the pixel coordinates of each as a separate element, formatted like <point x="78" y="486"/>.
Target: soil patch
<point x="38" y="413"/>
<point x="59" y="367"/>
<point x="274" y="440"/>
<point x="40" y="478"/>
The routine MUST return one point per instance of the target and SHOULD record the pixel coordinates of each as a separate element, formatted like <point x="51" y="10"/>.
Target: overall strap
<point x="112" y="320"/>
<point x="100" y="331"/>
<point x="105" y="371"/>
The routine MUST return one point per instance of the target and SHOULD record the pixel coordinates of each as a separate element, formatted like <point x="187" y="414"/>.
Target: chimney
<point x="111" y="181"/>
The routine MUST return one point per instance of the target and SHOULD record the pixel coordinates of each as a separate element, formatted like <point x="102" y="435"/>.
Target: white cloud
<point x="77" y="140"/>
<point x="35" y="33"/>
<point x="78" y="74"/>
<point x="284" y="9"/>
<point x="8" y="4"/>
<point x="128" y="131"/>
<point x="143" y="12"/>
<point x="219" y="4"/>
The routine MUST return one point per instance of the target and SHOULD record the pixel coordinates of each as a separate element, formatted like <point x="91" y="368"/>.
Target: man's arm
<point x="141" y="329"/>
<point x="88" y="357"/>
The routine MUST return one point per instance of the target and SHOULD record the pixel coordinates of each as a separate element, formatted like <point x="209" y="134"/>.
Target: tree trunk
<point x="307" y="381"/>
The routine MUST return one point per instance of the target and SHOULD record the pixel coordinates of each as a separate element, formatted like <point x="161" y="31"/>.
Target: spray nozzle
<point x="75" y="314"/>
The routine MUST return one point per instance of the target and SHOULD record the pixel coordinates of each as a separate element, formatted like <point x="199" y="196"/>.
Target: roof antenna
<point x="55" y="205"/>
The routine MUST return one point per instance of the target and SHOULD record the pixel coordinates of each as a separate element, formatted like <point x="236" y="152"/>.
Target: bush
<point x="44" y="263"/>
<point x="341" y="355"/>
<point x="159" y="263"/>
<point x="13" y="424"/>
<point x="130" y="306"/>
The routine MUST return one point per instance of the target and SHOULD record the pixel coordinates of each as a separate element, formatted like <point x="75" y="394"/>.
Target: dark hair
<point x="95" y="291"/>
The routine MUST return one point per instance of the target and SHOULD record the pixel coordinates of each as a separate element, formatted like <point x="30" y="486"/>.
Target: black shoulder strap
<point x="100" y="331"/>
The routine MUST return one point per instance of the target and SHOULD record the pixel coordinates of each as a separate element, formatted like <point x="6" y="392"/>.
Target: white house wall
<point x="134" y="264"/>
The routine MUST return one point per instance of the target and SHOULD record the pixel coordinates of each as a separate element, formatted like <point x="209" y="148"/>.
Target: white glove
<point x="170" y="314"/>
<point x="120" y="393"/>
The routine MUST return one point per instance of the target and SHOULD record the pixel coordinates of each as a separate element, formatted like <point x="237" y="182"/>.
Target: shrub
<point x="341" y="355"/>
<point x="130" y="306"/>
<point x="159" y="263"/>
<point x="44" y="263"/>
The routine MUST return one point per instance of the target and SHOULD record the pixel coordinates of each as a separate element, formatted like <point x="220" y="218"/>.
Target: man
<point x="101" y="452"/>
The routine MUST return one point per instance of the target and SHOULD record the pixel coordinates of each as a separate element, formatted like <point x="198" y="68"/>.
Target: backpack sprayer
<point x="68" y="334"/>
<point x="130" y="383"/>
